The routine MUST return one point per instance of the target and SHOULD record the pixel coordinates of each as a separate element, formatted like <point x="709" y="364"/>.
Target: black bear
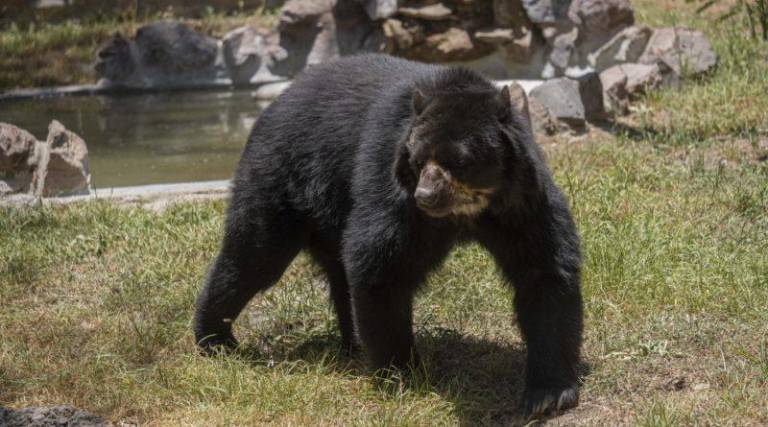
<point x="378" y="167"/>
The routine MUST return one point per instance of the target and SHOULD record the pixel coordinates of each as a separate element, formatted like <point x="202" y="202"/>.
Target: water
<point x="137" y="139"/>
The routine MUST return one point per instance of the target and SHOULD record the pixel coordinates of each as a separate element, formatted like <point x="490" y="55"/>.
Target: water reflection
<point x="136" y="139"/>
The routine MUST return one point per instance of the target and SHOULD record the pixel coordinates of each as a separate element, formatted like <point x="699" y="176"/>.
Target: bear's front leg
<point x="383" y="322"/>
<point x="549" y="313"/>
<point x="540" y="257"/>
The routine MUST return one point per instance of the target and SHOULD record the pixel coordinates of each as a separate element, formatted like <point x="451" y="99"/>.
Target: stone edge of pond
<point x="266" y="91"/>
<point x="155" y="197"/>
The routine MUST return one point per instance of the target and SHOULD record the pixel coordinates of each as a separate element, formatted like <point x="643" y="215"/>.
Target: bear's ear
<point x="504" y="101"/>
<point x="419" y="101"/>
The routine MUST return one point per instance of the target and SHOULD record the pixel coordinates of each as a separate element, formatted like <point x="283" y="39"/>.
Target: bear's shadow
<point x="483" y="379"/>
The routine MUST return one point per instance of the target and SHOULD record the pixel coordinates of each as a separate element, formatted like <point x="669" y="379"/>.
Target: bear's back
<point x="303" y="147"/>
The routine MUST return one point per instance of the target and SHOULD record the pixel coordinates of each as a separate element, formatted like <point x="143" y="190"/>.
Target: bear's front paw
<point x="546" y="401"/>
<point x="214" y="344"/>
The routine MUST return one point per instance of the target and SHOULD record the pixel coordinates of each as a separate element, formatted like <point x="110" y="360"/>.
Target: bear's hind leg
<point x="328" y="258"/>
<point x="254" y="254"/>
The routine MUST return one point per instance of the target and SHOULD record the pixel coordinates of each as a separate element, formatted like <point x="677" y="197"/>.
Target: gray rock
<point x="315" y="31"/>
<point x="521" y="49"/>
<point x="624" y="82"/>
<point x="433" y="12"/>
<point x="600" y="20"/>
<point x="162" y="54"/>
<point x="572" y="101"/>
<point x="173" y="47"/>
<point x="379" y="9"/>
<point x="66" y="169"/>
<point x="563" y="47"/>
<point x="626" y="46"/>
<point x="496" y="35"/>
<point x="542" y="123"/>
<point x="50" y="416"/>
<point x="591" y="92"/>
<point x="249" y="56"/>
<point x="17" y="159"/>
<point x="546" y="11"/>
<point x="681" y="51"/>
<point x="511" y="14"/>
<point x="615" y="95"/>
<point x="641" y="77"/>
<point x="115" y="60"/>
<point x="398" y="37"/>
<point x="452" y="44"/>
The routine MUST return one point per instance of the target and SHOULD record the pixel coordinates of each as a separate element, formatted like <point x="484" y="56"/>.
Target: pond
<point x="137" y="139"/>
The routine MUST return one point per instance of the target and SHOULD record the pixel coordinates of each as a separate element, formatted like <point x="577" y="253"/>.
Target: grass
<point x="673" y="213"/>
<point x="64" y="54"/>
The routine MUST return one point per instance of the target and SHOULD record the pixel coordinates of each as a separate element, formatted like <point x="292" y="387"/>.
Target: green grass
<point x="673" y="214"/>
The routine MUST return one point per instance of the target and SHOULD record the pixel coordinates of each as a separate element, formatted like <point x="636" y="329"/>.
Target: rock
<point x="270" y="91"/>
<point x="496" y="36"/>
<point x="66" y="169"/>
<point x="379" y="9"/>
<point x="296" y="12"/>
<point x="563" y="46"/>
<point x="249" y="56"/>
<point x="173" y="47"/>
<point x="641" y="78"/>
<point x="433" y="12"/>
<point x="623" y="82"/>
<point x="398" y="37"/>
<point x="680" y="50"/>
<point x="17" y="159"/>
<point x="450" y="45"/>
<point x="511" y="14"/>
<point x="600" y="20"/>
<point x="165" y="54"/>
<point x="115" y="60"/>
<point x="521" y="48"/>
<point x="315" y="31"/>
<point x="572" y="101"/>
<point x="542" y="122"/>
<point x="50" y="416"/>
<point x="546" y="11"/>
<point x="615" y="95"/>
<point x="626" y="46"/>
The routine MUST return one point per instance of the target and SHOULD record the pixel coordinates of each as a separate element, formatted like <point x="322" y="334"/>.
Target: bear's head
<point x="455" y="153"/>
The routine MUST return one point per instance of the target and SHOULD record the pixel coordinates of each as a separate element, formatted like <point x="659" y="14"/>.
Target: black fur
<point x="332" y="165"/>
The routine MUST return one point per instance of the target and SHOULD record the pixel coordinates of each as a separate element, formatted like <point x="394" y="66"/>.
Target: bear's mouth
<point x="458" y="206"/>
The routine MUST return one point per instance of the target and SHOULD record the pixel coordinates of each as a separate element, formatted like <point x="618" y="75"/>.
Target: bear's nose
<point x="426" y="197"/>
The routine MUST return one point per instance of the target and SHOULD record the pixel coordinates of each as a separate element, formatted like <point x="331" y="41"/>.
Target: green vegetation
<point x="673" y="213"/>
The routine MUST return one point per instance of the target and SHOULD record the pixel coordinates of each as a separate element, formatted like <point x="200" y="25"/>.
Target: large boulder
<point x="49" y="416"/>
<point x="173" y="47"/>
<point x="17" y="154"/>
<point x="379" y="9"/>
<point x="626" y="46"/>
<point x="432" y="12"/>
<point x="600" y="20"/>
<point x="162" y="54"/>
<point x="249" y="56"/>
<point x="680" y="50"/>
<point x="66" y="171"/>
<point x="511" y="14"/>
<point x="624" y="82"/>
<point x="546" y="11"/>
<point x="572" y="102"/>
<point x="315" y="31"/>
